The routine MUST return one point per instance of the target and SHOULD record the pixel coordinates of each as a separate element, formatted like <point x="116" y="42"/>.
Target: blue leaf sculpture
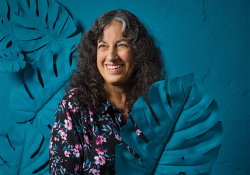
<point x="41" y="26"/>
<point x="47" y="36"/>
<point x="35" y="97"/>
<point x="11" y="58"/>
<point x="183" y="137"/>
<point x="45" y="33"/>
<point x="25" y="151"/>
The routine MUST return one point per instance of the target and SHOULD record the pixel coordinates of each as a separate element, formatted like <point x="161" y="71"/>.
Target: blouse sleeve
<point x="66" y="153"/>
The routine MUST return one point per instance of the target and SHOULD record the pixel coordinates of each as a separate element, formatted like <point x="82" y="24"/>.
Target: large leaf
<point x="36" y="96"/>
<point x="42" y="25"/>
<point x="47" y="37"/>
<point x="25" y="151"/>
<point x="11" y="58"/>
<point x="183" y="137"/>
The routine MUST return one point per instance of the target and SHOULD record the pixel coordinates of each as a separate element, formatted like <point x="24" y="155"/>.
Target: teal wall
<point x="207" y="37"/>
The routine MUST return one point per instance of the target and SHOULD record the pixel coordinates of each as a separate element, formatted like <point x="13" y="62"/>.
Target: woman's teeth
<point x="114" y="67"/>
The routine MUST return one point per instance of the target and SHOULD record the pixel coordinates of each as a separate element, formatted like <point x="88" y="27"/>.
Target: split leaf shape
<point x="187" y="138"/>
<point x="47" y="36"/>
<point x="26" y="151"/>
<point x="11" y="58"/>
<point x="35" y="97"/>
<point x="11" y="61"/>
<point x="43" y="25"/>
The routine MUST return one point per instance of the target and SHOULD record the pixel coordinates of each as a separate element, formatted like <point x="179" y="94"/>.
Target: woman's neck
<point x="117" y="97"/>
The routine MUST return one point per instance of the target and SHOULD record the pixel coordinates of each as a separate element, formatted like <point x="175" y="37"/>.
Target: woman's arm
<point x="66" y="143"/>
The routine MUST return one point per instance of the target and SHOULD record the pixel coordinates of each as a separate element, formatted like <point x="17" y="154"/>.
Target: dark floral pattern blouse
<point x="85" y="144"/>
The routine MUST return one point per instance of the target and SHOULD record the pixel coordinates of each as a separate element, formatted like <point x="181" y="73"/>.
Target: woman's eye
<point x="101" y="46"/>
<point x="122" y="45"/>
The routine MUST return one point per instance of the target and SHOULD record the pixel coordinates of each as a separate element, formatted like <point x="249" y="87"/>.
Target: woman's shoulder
<point x="69" y="101"/>
<point x="70" y="95"/>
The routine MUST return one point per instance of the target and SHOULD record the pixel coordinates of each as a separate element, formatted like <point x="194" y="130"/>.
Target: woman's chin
<point x="118" y="82"/>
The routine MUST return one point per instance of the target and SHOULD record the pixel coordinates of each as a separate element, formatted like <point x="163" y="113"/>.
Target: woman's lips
<point x="114" y="67"/>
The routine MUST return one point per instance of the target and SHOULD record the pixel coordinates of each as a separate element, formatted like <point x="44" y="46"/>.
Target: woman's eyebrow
<point x="101" y="41"/>
<point x="122" y="39"/>
<point x="118" y="41"/>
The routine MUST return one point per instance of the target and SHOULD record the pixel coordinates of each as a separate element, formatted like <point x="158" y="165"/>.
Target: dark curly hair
<point x="87" y="79"/>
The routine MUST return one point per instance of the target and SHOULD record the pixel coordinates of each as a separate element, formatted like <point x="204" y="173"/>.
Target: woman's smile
<point x="114" y="67"/>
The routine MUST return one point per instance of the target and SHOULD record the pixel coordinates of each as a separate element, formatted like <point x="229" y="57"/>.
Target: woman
<point x="117" y="63"/>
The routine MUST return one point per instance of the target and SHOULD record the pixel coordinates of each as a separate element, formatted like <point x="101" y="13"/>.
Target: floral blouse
<point x="85" y="144"/>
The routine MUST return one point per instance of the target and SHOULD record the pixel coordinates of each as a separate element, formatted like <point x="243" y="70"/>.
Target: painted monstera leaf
<point x="11" y="58"/>
<point x="41" y="26"/>
<point x="25" y="151"/>
<point x="183" y="135"/>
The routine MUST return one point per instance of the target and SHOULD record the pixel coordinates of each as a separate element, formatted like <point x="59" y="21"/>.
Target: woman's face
<point x="115" y="57"/>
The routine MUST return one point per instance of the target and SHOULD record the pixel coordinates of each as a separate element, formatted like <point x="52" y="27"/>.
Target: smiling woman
<point x="115" y="57"/>
<point x="117" y="63"/>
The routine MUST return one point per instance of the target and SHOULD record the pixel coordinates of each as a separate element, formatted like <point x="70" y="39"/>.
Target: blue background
<point x="210" y="38"/>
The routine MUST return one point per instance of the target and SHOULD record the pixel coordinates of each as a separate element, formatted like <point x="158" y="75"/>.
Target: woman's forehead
<point x="113" y="30"/>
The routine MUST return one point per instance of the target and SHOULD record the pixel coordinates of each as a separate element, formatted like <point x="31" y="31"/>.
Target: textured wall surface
<point x="210" y="38"/>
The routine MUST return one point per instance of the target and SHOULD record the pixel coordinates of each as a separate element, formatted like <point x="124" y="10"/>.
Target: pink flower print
<point x="76" y="152"/>
<point x="56" y="139"/>
<point x="50" y="145"/>
<point x="52" y="152"/>
<point x="91" y="112"/>
<point x="76" y="168"/>
<point x="68" y="116"/>
<point x="100" y="151"/>
<point x="118" y="137"/>
<point x="100" y="139"/>
<point x="91" y="170"/>
<point x="138" y="132"/>
<point x="68" y="124"/>
<point x="94" y="171"/>
<point x="63" y="135"/>
<point x="70" y="105"/>
<point x="99" y="160"/>
<point x="86" y="139"/>
<point x="66" y="153"/>
<point x="73" y="89"/>
<point x="63" y="103"/>
<point x="70" y="95"/>
<point x="79" y="147"/>
<point x="74" y="109"/>
<point x="55" y="124"/>
<point x="91" y="119"/>
<point x="83" y="165"/>
<point x="103" y="139"/>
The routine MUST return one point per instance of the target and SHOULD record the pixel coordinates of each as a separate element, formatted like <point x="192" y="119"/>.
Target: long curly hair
<point x="87" y="79"/>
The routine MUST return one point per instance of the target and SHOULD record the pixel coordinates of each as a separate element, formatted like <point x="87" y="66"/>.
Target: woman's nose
<point x="112" y="54"/>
